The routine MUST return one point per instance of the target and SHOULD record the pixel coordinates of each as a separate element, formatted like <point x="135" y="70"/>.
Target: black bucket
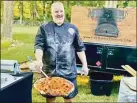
<point x="101" y="83"/>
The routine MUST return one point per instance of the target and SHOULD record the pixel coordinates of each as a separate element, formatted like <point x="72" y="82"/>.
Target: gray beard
<point x="59" y="24"/>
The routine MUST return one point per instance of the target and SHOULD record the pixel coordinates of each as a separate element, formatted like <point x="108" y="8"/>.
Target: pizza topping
<point x="55" y="86"/>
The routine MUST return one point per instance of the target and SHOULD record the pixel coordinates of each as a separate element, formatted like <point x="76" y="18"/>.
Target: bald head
<point x="57" y="10"/>
<point x="56" y="5"/>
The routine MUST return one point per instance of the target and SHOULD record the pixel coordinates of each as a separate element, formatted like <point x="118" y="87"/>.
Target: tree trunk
<point x="33" y="12"/>
<point x="7" y="19"/>
<point x="111" y="4"/>
<point x="67" y="3"/>
<point x="36" y="11"/>
<point x="43" y="2"/>
<point x="21" y="12"/>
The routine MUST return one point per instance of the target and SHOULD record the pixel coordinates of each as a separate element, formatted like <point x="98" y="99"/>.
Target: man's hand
<point x="38" y="62"/>
<point x="83" y="60"/>
<point x="38" y="65"/>
<point x="84" y="70"/>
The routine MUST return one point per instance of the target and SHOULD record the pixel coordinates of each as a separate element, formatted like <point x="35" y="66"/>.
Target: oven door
<point x="117" y="56"/>
<point x="93" y="55"/>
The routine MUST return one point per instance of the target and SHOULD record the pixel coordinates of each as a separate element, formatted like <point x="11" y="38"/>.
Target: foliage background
<point x="39" y="11"/>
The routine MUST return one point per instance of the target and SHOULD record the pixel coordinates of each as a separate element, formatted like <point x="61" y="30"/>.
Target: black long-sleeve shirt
<point x="59" y="44"/>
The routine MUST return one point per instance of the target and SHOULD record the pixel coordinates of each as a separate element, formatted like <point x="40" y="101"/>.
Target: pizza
<point x="55" y="86"/>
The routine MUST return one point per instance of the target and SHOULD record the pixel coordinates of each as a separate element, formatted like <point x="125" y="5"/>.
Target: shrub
<point x="5" y="43"/>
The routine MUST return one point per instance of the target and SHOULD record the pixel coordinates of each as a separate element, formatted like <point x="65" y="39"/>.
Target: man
<point x="55" y="46"/>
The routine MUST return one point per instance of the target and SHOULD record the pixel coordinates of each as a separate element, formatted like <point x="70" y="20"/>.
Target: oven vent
<point x="107" y="21"/>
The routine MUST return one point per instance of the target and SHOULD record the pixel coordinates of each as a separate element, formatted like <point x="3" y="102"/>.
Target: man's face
<point x="58" y="14"/>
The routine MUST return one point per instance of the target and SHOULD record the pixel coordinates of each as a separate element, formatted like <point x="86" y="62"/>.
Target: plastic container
<point x="128" y="90"/>
<point x="101" y="83"/>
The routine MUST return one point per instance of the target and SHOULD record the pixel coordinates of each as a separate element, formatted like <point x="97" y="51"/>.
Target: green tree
<point x="21" y="11"/>
<point x="7" y="19"/>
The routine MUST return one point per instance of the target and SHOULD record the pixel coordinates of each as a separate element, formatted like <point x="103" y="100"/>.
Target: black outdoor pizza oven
<point x="107" y="18"/>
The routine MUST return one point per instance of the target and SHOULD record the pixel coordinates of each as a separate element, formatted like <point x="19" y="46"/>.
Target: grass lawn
<point x="26" y="36"/>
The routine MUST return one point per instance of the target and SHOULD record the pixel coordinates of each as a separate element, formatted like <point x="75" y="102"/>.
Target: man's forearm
<point x="82" y="57"/>
<point x="39" y="55"/>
